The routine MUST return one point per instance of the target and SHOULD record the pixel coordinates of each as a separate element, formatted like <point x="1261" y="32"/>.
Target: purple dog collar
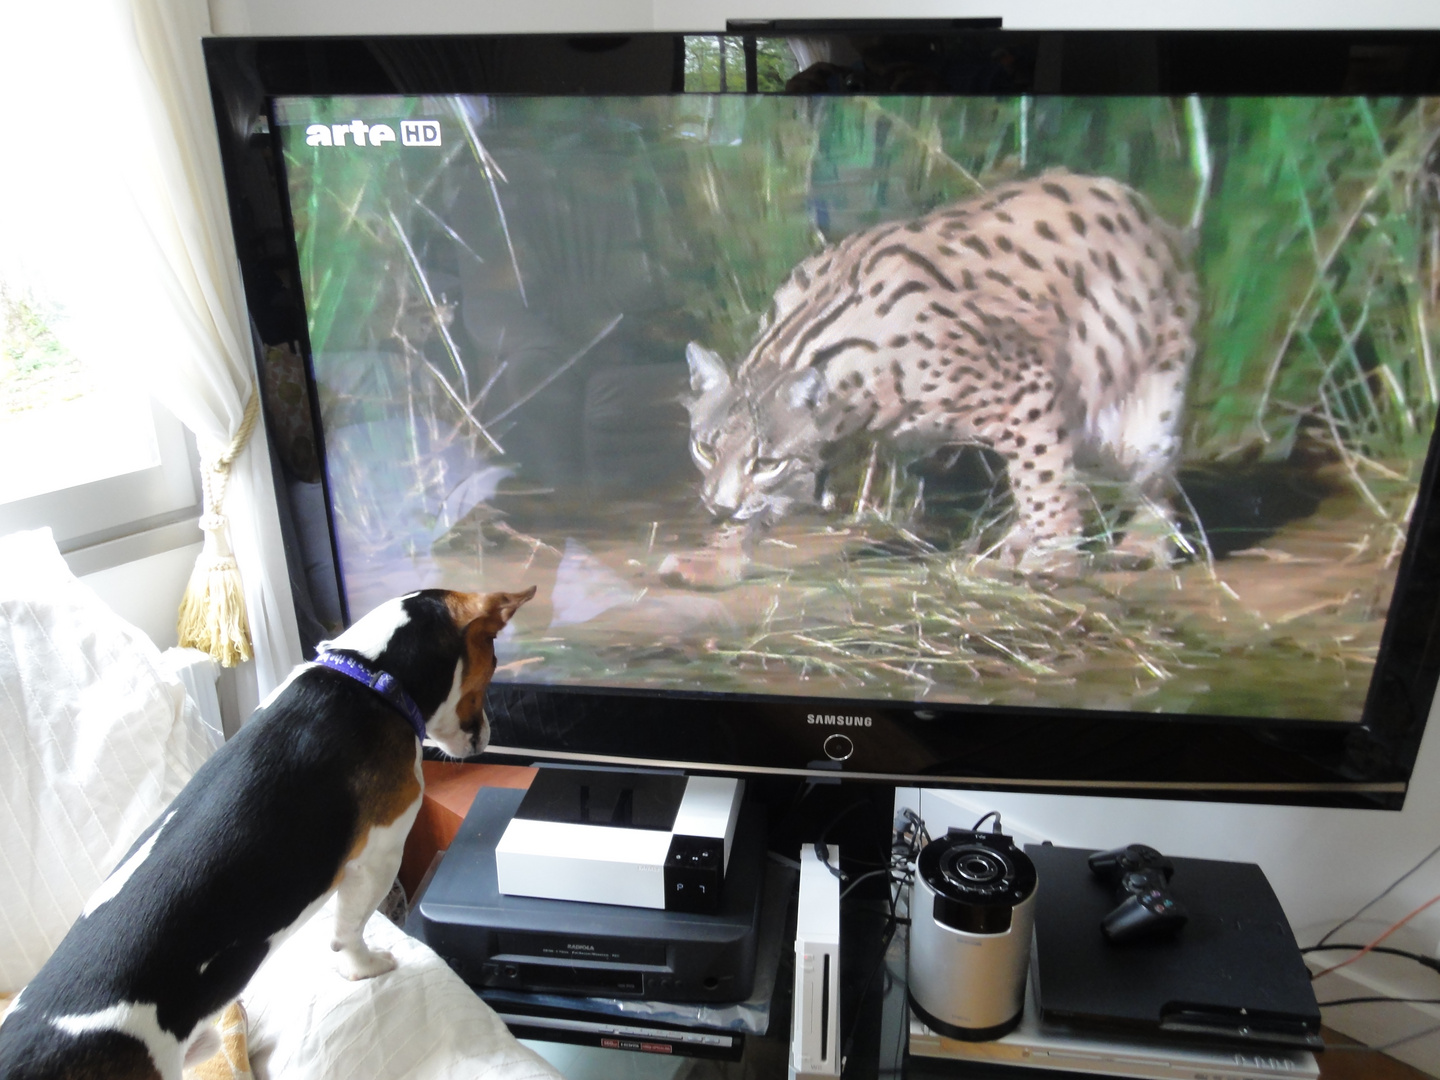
<point x="382" y="682"/>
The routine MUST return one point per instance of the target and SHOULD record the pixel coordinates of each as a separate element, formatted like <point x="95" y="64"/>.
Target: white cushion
<point x="96" y="738"/>
<point x="418" y="1022"/>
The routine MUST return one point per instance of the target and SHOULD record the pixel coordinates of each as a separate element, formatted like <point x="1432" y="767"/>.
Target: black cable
<point x="857" y="880"/>
<point x="993" y="813"/>
<point x="858" y="804"/>
<point x="1376" y="1000"/>
<point x="1388" y="890"/>
<point x="904" y="847"/>
<point x="822" y="849"/>
<point x="822" y="852"/>
<point x="1428" y="961"/>
<point x="885" y="937"/>
<point x="1333" y="1048"/>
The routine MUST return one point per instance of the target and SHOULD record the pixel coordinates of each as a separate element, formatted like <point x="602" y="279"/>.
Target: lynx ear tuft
<point x="807" y="390"/>
<point x="707" y="370"/>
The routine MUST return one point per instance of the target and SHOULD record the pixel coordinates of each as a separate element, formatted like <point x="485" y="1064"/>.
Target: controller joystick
<point x="1141" y="878"/>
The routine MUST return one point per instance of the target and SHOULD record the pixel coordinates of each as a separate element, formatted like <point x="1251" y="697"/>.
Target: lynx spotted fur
<point x="1050" y="319"/>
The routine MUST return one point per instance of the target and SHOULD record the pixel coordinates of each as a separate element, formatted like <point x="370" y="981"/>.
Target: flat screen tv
<point x="1029" y="411"/>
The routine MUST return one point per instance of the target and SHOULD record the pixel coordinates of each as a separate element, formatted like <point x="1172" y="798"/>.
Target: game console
<point x="535" y="945"/>
<point x="1228" y="972"/>
<point x="815" y="1020"/>
<point x="1032" y="1044"/>
<point x="654" y="840"/>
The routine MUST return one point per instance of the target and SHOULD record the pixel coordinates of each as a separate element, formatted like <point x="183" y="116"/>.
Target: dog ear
<point x="479" y="650"/>
<point x="491" y="610"/>
<point x="497" y="608"/>
<point x="490" y="615"/>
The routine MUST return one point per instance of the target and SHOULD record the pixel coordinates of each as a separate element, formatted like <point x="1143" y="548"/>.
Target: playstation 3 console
<point x="658" y="840"/>
<point x="1218" y="965"/>
<point x="541" y="945"/>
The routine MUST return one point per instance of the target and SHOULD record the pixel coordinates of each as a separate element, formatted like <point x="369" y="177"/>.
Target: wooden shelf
<point x="450" y="788"/>
<point x="1361" y="1064"/>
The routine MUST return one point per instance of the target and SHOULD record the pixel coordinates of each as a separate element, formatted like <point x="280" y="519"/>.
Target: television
<point x="932" y="405"/>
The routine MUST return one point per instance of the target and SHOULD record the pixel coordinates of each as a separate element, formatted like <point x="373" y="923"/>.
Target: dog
<point x="313" y="796"/>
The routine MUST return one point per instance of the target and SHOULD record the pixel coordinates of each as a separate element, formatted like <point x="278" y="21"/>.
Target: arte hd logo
<point x="359" y="133"/>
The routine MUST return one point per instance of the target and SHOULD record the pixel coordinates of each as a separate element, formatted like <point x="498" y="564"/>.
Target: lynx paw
<point x="720" y="564"/>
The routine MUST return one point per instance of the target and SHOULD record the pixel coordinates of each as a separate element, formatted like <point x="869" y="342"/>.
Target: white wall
<point x="146" y="593"/>
<point x="273" y="17"/>
<point x="1323" y="864"/>
<point x="1066" y="14"/>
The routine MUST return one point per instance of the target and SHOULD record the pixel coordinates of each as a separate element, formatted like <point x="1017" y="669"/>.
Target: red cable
<point x="1378" y="940"/>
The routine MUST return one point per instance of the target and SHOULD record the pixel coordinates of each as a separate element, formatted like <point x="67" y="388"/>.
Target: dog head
<point x="440" y="645"/>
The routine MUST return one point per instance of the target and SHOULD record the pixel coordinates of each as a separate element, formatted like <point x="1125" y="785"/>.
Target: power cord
<point x="1380" y="896"/>
<point x="1332" y="1048"/>
<point x="1377" y="1000"/>
<point x="908" y="836"/>
<point x="1373" y="944"/>
<point x="1428" y="961"/>
<point x="996" y="828"/>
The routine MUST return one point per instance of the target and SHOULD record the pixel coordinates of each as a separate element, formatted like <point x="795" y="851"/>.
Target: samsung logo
<point x="838" y="721"/>
<point x="412" y="133"/>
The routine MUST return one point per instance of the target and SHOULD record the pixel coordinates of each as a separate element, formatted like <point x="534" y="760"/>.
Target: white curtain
<point x="116" y="200"/>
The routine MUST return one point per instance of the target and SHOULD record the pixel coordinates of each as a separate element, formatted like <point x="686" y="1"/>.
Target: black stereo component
<point x="535" y="945"/>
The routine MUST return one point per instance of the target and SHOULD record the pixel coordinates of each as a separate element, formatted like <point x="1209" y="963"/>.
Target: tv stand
<point x="873" y="986"/>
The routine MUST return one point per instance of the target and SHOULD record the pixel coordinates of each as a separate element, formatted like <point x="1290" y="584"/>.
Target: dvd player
<point x="535" y="945"/>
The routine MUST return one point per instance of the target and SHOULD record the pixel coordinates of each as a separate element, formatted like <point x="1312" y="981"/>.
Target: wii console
<point x="815" y="1023"/>
<point x="650" y="840"/>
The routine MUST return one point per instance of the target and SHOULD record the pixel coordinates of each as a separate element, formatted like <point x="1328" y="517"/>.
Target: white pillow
<point x="96" y="738"/>
<point x="418" y="1022"/>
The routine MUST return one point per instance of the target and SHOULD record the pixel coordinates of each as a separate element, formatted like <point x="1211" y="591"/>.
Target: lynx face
<point x="758" y="450"/>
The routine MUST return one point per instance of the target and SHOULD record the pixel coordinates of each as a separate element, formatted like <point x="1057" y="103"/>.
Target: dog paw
<point x="364" y="964"/>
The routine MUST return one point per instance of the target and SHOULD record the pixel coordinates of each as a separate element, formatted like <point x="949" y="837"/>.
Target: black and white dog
<point x="314" y="795"/>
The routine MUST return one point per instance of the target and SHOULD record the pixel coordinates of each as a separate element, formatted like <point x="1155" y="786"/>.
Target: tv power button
<point x="838" y="747"/>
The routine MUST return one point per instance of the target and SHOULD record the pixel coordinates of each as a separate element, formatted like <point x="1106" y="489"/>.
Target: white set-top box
<point x="653" y="840"/>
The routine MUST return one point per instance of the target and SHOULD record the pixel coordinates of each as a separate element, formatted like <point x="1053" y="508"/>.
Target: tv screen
<point x="868" y="404"/>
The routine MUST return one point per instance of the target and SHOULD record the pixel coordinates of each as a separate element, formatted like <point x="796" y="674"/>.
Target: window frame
<point x="119" y="519"/>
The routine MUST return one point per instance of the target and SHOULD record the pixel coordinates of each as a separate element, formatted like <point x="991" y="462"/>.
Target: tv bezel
<point x="1319" y="763"/>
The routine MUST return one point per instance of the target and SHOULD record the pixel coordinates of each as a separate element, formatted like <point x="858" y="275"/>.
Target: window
<point x="83" y="448"/>
<point x="83" y="453"/>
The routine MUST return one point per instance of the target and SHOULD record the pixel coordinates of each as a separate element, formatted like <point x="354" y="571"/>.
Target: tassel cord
<point x="212" y="614"/>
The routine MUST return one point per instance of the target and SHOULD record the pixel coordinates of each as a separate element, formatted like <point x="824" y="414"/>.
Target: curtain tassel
<point x="212" y="614"/>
